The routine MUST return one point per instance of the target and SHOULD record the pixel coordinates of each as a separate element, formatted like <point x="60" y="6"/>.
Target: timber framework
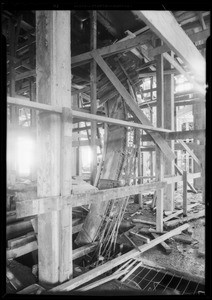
<point x="105" y="108"/>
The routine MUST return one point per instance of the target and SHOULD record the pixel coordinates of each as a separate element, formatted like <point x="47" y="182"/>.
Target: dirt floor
<point x="189" y="258"/>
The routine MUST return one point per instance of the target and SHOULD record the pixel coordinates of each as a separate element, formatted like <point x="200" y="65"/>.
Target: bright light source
<point x="25" y="147"/>
<point x="86" y="155"/>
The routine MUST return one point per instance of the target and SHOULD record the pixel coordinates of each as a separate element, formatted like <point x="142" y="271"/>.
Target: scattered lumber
<point x="179" y="212"/>
<point x="101" y="281"/>
<point x="17" y="229"/>
<point x="195" y="216"/>
<point x="183" y="239"/>
<point x="166" y="247"/>
<point x="144" y="222"/>
<point x="80" y="280"/>
<point x="143" y="238"/>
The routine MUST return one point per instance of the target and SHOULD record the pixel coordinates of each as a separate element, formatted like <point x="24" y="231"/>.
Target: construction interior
<point x="105" y="153"/>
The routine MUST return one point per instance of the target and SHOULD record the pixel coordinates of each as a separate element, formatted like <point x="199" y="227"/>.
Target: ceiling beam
<point x="166" y="27"/>
<point x="109" y="50"/>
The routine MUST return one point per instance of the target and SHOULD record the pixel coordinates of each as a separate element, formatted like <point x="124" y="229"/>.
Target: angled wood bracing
<point x="109" y="50"/>
<point x="198" y="87"/>
<point x="166" y="27"/>
<point x="202" y="35"/>
<point x="133" y="106"/>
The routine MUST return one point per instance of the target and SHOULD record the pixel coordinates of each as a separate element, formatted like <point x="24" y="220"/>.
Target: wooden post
<point x="159" y="172"/>
<point x="14" y="111"/>
<point x="169" y="124"/>
<point x="185" y="202"/>
<point x="93" y="78"/>
<point x="54" y="163"/>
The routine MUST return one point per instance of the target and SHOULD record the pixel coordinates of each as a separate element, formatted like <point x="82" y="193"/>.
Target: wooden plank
<point x="121" y="46"/>
<point x="133" y="106"/>
<point x="185" y="200"/>
<point x="199" y="36"/>
<point x="196" y="86"/>
<point x="81" y="114"/>
<point x="24" y="75"/>
<point x="166" y="27"/>
<point x="166" y="247"/>
<point x="144" y="222"/>
<point x="194" y="216"/>
<point x="179" y="212"/>
<point x="81" y="251"/>
<point x="101" y="281"/>
<point x="131" y="271"/>
<point x="22" y="250"/>
<point x="74" y="283"/>
<point x="43" y="205"/>
<point x="186" y="147"/>
<point x="20" y="241"/>
<point x="143" y="238"/>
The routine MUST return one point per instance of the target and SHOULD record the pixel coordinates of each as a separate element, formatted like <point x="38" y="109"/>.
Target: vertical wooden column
<point x="169" y="124"/>
<point x="159" y="167"/>
<point x="199" y="114"/>
<point x="93" y="42"/>
<point x="14" y="111"/>
<point x="53" y="66"/>
<point x="185" y="202"/>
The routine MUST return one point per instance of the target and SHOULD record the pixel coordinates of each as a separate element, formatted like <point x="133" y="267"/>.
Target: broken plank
<point x="131" y="271"/>
<point x="134" y="107"/>
<point x="179" y="212"/>
<point x="166" y="247"/>
<point x="78" y="281"/>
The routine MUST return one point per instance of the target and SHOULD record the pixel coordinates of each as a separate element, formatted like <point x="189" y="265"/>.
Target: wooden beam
<point x="78" y="281"/>
<point x="22" y="250"/>
<point x="166" y="247"/>
<point x="93" y="76"/>
<point x="159" y="164"/>
<point x="185" y="200"/>
<point x="109" y="50"/>
<point x="24" y="75"/>
<point x="53" y="83"/>
<point x="80" y="114"/>
<point x="166" y="27"/>
<point x="186" y="147"/>
<point x="133" y="106"/>
<point x="199" y="36"/>
<point x="43" y="205"/>
<point x="179" y="212"/>
<point x="198" y="87"/>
